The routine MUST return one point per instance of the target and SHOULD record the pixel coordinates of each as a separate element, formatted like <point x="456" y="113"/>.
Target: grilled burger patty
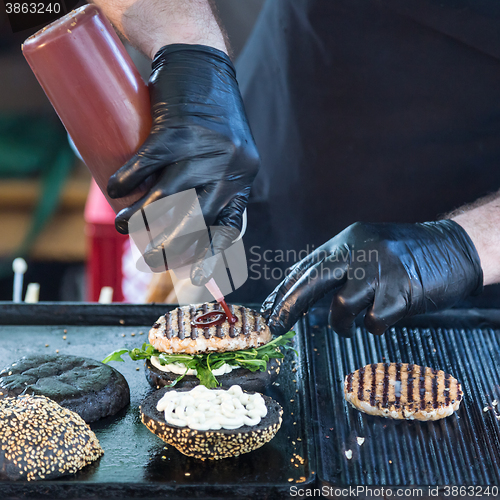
<point x="174" y="333"/>
<point x="403" y="391"/>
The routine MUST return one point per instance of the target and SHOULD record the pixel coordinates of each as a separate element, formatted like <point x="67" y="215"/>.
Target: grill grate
<point x="463" y="449"/>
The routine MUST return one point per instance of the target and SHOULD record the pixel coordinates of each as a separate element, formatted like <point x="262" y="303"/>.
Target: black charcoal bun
<point x="42" y="440"/>
<point x="214" y="445"/>
<point x="88" y="387"/>
<point x="246" y="379"/>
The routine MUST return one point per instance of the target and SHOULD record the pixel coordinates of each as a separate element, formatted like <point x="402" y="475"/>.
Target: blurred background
<point x="44" y="186"/>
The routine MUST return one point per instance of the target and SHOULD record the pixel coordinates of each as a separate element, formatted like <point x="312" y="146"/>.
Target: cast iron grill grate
<point x="463" y="449"/>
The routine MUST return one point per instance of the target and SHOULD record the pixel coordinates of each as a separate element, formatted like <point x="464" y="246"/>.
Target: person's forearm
<point x="481" y="220"/>
<point x="151" y="24"/>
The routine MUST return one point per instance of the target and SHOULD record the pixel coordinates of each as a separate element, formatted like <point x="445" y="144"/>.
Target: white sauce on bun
<point x="210" y="409"/>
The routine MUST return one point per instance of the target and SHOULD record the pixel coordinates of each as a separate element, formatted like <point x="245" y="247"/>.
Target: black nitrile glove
<point x="200" y="139"/>
<point x="393" y="270"/>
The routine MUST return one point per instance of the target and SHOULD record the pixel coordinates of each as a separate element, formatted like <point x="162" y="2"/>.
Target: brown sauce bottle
<point x="95" y="89"/>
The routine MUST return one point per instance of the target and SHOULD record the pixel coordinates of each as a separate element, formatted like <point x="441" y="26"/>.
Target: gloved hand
<point x="393" y="270"/>
<point x="200" y="139"/>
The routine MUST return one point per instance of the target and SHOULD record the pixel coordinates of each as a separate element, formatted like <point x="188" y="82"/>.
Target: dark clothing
<point x="366" y="110"/>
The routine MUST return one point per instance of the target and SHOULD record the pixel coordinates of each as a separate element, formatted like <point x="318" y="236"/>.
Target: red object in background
<point x="95" y="89"/>
<point x="104" y="247"/>
<point x="104" y="104"/>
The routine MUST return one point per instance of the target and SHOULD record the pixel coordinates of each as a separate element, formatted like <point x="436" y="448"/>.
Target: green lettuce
<point x="252" y="359"/>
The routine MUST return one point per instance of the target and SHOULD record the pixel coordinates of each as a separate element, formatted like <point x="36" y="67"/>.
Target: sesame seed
<point x="29" y="414"/>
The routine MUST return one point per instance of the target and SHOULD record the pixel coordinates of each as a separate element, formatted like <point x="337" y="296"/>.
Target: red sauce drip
<point x="209" y="319"/>
<point x="232" y="319"/>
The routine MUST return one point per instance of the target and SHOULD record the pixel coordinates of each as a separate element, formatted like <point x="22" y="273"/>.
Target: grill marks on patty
<point x="248" y="321"/>
<point x="174" y="331"/>
<point x="402" y="390"/>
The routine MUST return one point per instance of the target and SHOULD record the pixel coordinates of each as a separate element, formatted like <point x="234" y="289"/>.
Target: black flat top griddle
<point x="463" y="449"/>
<point x="319" y="426"/>
<point x="136" y="463"/>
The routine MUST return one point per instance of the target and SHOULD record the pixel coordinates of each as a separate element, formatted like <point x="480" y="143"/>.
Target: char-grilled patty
<point x="403" y="391"/>
<point x="174" y="332"/>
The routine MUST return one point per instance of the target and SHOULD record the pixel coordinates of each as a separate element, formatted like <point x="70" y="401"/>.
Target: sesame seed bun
<point x="42" y="440"/>
<point x="214" y="445"/>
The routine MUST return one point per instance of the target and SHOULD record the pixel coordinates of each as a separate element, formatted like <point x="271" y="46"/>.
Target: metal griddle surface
<point x="463" y="449"/>
<point x="136" y="463"/>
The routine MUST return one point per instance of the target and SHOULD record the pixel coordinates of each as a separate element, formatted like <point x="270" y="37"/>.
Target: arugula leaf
<point x="206" y="376"/>
<point x="252" y="359"/>
<point x="179" y="378"/>
<point x="115" y="356"/>
<point x="253" y="364"/>
<point x="166" y="359"/>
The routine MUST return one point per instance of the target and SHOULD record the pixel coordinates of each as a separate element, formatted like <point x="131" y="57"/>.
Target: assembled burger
<point x="197" y="344"/>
